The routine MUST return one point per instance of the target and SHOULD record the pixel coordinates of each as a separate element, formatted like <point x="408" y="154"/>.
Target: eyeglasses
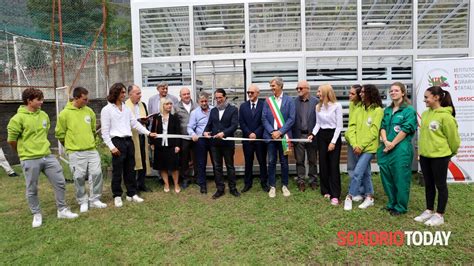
<point x="250" y="92"/>
<point x="301" y="88"/>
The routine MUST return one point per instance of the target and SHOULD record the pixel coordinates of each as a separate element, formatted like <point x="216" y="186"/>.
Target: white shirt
<point x="221" y="113"/>
<point x="255" y="104"/>
<point x="164" y="140"/>
<point x="187" y="106"/>
<point x="329" y="117"/>
<point x="116" y="123"/>
<point x="278" y="100"/>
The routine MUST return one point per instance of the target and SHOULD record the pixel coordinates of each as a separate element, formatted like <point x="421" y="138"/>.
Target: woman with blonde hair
<point x="328" y="132"/>
<point x="166" y="149"/>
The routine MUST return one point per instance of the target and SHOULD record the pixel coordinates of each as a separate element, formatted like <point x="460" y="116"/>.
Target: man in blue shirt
<point x="197" y="122"/>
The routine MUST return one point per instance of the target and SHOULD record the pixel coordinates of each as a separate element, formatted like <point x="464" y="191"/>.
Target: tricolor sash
<point x="278" y="116"/>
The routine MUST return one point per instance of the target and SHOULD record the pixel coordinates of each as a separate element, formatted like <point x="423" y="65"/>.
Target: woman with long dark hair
<point x="365" y="144"/>
<point x="439" y="141"/>
<point x="395" y="155"/>
<point x="354" y="106"/>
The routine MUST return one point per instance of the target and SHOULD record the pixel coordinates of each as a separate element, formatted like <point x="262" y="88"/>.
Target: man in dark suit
<point x="278" y="116"/>
<point x="250" y="120"/>
<point x="223" y="121"/>
<point x="305" y="106"/>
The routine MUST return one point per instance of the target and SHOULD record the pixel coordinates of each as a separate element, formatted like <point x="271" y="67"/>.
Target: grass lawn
<point x="193" y="229"/>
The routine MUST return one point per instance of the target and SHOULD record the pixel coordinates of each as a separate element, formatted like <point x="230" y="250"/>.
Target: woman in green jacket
<point x="365" y="141"/>
<point x="439" y="141"/>
<point x="396" y="154"/>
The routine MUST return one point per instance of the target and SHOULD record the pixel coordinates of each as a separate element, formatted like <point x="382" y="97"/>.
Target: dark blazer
<point x="228" y="124"/>
<point x="173" y="128"/>
<point x="311" y="116"/>
<point x="251" y="123"/>
<point x="288" y="111"/>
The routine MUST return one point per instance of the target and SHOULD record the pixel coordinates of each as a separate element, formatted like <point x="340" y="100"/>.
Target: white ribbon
<point x="187" y="137"/>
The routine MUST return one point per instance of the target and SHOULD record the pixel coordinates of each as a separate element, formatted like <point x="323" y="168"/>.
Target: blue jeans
<point x="361" y="176"/>
<point x="351" y="163"/>
<point x="275" y="149"/>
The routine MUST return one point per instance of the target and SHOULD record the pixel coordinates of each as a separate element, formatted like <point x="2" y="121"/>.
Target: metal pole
<point x="53" y="45"/>
<point x="17" y="63"/>
<point x="96" y="75"/>
<point x="8" y="62"/>
<point x="104" y="37"/>
<point x="61" y="47"/>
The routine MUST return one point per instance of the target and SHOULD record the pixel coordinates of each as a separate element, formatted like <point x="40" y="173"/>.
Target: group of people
<point x="175" y="137"/>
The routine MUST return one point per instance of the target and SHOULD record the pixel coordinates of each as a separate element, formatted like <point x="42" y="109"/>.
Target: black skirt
<point x="165" y="158"/>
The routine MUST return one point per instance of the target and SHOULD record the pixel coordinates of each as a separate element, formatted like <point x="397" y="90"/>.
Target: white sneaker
<point x="118" y="202"/>
<point x="435" y="220"/>
<point x="348" y="204"/>
<point x="357" y="198"/>
<point x="367" y="203"/>
<point x="67" y="214"/>
<point x="285" y="191"/>
<point x="135" y="198"/>
<point x="272" y="192"/>
<point x="98" y="204"/>
<point x="424" y="216"/>
<point x="84" y="207"/>
<point x="37" y="220"/>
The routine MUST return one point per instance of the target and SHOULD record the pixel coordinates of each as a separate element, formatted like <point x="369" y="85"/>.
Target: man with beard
<point x="223" y="122"/>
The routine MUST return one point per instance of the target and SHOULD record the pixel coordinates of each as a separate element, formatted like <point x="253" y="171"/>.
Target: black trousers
<point x="141" y="174"/>
<point x="123" y="165"/>
<point x="329" y="171"/>
<point x="225" y="153"/>
<point x="259" y="149"/>
<point x="435" y="173"/>
<point x="185" y="157"/>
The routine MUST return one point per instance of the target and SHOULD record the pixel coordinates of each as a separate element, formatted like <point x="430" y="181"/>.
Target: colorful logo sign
<point x="441" y="81"/>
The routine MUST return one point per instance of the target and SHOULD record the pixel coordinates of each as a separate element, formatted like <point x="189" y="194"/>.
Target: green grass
<point x="193" y="229"/>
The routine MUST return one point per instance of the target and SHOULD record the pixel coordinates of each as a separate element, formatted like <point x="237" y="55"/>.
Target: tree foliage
<point x="81" y="19"/>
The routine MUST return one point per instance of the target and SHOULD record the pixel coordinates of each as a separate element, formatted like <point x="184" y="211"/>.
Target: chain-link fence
<point x="28" y="56"/>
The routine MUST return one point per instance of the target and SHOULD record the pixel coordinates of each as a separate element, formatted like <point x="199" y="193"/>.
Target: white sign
<point x="455" y="75"/>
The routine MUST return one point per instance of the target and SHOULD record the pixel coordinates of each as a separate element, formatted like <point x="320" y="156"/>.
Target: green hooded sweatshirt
<point x="438" y="133"/>
<point x="350" y="133"/>
<point x="30" y="131"/>
<point x="364" y="129"/>
<point x="76" y="128"/>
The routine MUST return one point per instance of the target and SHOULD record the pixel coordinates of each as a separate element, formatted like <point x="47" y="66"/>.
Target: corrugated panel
<point x="331" y="68"/>
<point x="264" y="72"/>
<point x="331" y="25"/>
<point x="387" y="67"/>
<point x="275" y="27"/>
<point x="219" y="29"/>
<point x="176" y="74"/>
<point x="164" y="31"/>
<point x="386" y="24"/>
<point x="443" y="24"/>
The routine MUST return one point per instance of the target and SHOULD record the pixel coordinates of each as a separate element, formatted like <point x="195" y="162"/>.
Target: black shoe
<point x="13" y="174"/>
<point x="265" y="188"/>
<point x="218" y="194"/>
<point x="395" y="213"/>
<point x="301" y="186"/>
<point x="234" y="192"/>
<point x="146" y="189"/>
<point x="184" y="184"/>
<point x="203" y="190"/>
<point x="245" y="189"/>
